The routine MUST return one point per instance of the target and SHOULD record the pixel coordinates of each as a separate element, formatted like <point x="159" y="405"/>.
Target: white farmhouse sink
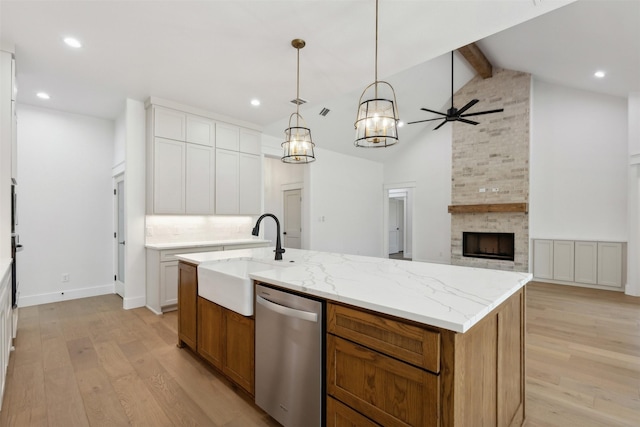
<point x="228" y="284"/>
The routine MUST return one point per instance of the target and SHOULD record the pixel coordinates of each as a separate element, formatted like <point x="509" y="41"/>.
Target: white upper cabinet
<point x="227" y="137"/>
<point x="250" y="142"/>
<point x="200" y="131"/>
<point x="170" y="124"/>
<point x="168" y="176"/>
<point x="250" y="184"/>
<point x="227" y="183"/>
<point x="200" y="171"/>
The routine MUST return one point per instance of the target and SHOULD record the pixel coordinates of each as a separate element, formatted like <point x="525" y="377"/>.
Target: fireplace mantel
<point x="489" y="207"/>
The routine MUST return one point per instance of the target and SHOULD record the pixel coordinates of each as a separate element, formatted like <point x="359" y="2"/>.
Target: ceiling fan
<point x="453" y="114"/>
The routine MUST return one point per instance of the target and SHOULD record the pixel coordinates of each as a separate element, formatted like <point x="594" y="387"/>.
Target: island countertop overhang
<point x="440" y="295"/>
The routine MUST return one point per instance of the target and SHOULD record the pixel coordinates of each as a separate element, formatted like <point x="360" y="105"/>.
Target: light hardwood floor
<point x="88" y="362"/>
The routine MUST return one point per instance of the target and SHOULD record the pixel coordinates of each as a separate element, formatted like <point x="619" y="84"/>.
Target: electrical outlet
<point x="149" y="231"/>
<point x="65" y="277"/>
<point x="495" y="189"/>
<point x="482" y="190"/>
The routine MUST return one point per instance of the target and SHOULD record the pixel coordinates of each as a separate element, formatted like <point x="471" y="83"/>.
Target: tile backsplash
<point x="188" y="228"/>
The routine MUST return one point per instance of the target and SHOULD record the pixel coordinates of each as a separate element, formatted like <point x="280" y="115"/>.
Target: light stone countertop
<point x="185" y="245"/>
<point x="445" y="296"/>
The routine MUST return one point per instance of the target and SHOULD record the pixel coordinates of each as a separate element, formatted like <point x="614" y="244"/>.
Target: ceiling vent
<point x="324" y="112"/>
<point x="298" y="101"/>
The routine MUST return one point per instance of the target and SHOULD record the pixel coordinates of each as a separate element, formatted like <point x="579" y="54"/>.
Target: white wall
<point x="346" y="205"/>
<point x="426" y="161"/>
<point x="633" y="194"/>
<point x="119" y="142"/>
<point x="66" y="205"/>
<point x="579" y="164"/>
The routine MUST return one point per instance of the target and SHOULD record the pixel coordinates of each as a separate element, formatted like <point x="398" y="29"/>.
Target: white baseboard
<point x="30" y="300"/>
<point x="133" y="302"/>
<point x="154" y="311"/>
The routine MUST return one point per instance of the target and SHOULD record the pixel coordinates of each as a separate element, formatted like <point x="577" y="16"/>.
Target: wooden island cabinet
<point x="387" y="371"/>
<point x="224" y="338"/>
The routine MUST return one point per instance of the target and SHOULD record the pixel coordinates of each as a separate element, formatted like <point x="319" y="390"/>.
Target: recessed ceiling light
<point x="43" y="95"/>
<point x="70" y="41"/>
<point x="599" y="74"/>
<point x="255" y="102"/>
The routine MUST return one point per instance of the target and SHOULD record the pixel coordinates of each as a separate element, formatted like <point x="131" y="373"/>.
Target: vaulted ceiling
<point x="218" y="55"/>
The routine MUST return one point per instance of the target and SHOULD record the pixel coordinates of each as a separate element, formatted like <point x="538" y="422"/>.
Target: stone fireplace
<point x="488" y="245"/>
<point x="490" y="170"/>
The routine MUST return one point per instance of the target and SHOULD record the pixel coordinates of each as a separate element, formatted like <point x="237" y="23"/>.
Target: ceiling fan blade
<point x="468" y="121"/>
<point x="433" y="111"/>
<point x="426" y="120"/>
<point x="469" y="105"/>
<point x="440" y="125"/>
<point x="483" y="112"/>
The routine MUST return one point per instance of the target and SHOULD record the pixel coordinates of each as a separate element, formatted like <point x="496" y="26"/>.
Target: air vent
<point x="324" y="112"/>
<point x="298" y="101"/>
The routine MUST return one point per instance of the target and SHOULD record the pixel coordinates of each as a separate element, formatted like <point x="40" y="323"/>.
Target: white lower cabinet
<point x="6" y="336"/>
<point x="610" y="256"/>
<point x="588" y="263"/>
<point x="162" y="273"/>
<point x="563" y="260"/>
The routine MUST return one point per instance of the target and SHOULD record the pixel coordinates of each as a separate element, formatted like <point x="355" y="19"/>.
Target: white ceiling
<point x="218" y="55"/>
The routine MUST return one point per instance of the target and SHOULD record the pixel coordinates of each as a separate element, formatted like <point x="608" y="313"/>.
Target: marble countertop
<point x="445" y="296"/>
<point x="185" y="245"/>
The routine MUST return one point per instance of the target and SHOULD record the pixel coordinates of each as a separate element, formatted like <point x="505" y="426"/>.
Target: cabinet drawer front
<point x="340" y="415"/>
<point x="415" y="345"/>
<point x="386" y="390"/>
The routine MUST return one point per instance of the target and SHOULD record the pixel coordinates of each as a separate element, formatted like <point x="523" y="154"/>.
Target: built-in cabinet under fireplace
<point x="488" y="245"/>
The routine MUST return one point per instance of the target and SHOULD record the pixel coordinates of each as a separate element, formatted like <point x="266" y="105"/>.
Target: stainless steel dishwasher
<point x="289" y="357"/>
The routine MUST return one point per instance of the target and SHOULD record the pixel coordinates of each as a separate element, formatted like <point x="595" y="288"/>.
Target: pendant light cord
<point x="298" y="90"/>
<point x="451" y="80"/>
<point x="376" y="54"/>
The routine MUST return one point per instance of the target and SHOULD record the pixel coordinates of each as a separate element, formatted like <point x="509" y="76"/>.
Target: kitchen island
<point x="409" y="343"/>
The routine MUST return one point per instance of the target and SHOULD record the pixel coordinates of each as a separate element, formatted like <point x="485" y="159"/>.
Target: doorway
<point x="119" y="235"/>
<point x="398" y="221"/>
<point x="292" y="209"/>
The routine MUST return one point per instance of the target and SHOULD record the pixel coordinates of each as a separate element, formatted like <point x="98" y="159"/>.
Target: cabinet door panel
<point x="227" y="137"/>
<point x="210" y="331"/>
<point x="340" y="415"/>
<point x="168" y="177"/>
<point x="563" y="260"/>
<point x="250" y="184"/>
<point x="543" y="259"/>
<point x="199" y="179"/>
<point x="250" y="142"/>
<point x="586" y="268"/>
<point x="169" y="124"/>
<point x="384" y="389"/>
<point x="200" y="131"/>
<point x="168" y="283"/>
<point x="238" y="359"/>
<point x="610" y="264"/>
<point x="227" y="169"/>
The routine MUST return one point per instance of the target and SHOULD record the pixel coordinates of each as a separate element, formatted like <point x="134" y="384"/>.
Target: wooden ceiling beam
<point x="477" y="60"/>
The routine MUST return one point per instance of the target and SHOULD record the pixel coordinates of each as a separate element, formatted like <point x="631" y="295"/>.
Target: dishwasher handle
<point x="287" y="311"/>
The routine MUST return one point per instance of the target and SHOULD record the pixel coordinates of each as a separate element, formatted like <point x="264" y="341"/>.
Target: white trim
<point x="634" y="159"/>
<point x="400" y="185"/>
<point x="411" y="185"/>
<point x="154" y="311"/>
<point x="292" y="186"/>
<point x="65" y="295"/>
<point x="118" y="169"/>
<point x="135" y="302"/>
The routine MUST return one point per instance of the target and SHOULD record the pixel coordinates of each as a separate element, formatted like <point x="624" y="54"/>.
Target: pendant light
<point x="377" y="121"/>
<point x="297" y="146"/>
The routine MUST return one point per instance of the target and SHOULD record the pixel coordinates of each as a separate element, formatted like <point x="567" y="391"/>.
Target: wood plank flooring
<point x="89" y="363"/>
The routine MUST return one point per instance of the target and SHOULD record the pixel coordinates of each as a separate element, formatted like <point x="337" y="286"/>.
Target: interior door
<point x="292" y="219"/>
<point x="120" y="236"/>
<point x="394" y="227"/>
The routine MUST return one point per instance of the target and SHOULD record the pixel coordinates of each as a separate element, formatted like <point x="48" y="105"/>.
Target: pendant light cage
<point x="298" y="145"/>
<point x="377" y="121"/>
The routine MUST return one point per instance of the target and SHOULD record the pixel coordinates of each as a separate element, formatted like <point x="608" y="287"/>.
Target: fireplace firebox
<point x="498" y="246"/>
